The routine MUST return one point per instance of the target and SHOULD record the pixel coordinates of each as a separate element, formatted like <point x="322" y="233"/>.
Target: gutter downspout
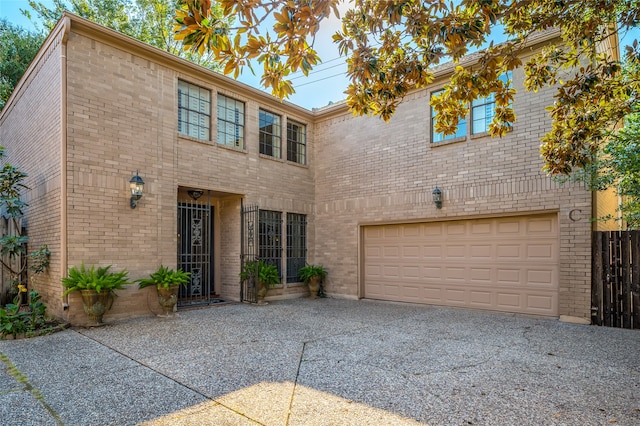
<point x="63" y="162"/>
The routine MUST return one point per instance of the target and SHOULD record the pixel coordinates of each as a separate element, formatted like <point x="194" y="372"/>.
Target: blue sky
<point x="325" y="84"/>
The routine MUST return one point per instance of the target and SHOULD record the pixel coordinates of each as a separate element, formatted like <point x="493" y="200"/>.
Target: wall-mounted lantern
<point x="137" y="186"/>
<point x="195" y="193"/>
<point x="437" y="197"/>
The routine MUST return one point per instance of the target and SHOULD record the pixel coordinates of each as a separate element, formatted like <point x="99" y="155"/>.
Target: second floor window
<point x="483" y="110"/>
<point x="439" y="137"/>
<point x="296" y="142"/>
<point x="194" y="111"/>
<point x="270" y="134"/>
<point x="230" y="122"/>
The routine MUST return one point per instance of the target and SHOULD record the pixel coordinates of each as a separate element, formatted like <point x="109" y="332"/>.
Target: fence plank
<point x="597" y="313"/>
<point x="625" y="280"/>
<point x="606" y="275"/>
<point x="635" y="278"/>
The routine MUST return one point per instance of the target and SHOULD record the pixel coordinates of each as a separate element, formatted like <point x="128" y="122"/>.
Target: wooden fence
<point x="9" y="279"/>
<point x="615" y="279"/>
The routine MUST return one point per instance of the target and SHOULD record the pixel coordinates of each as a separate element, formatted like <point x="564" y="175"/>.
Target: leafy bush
<point x="165" y="277"/>
<point x="94" y="279"/>
<point x="309" y="271"/>
<point x="262" y="271"/>
<point x="14" y="321"/>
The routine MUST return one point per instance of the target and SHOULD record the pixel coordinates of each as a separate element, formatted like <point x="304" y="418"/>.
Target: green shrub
<point x="94" y="279"/>
<point x="165" y="277"/>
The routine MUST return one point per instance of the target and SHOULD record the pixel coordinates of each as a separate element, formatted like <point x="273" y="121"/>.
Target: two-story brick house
<point x="351" y="193"/>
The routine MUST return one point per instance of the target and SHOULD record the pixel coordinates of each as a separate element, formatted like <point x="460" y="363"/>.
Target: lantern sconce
<point x="437" y="197"/>
<point x="137" y="186"/>
<point x="195" y="194"/>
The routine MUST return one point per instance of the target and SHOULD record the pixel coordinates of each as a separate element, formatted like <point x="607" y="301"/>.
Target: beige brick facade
<point x="106" y="106"/>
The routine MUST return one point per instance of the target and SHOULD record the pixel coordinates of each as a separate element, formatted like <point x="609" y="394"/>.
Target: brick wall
<point x="30" y="130"/>
<point x="374" y="172"/>
<point x="122" y="118"/>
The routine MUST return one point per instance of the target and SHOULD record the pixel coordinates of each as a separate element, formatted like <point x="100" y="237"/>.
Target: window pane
<point x="296" y="245"/>
<point x="269" y="134"/>
<point x="296" y="142"/>
<point x="230" y="122"/>
<point x="270" y="238"/>
<point x="194" y="110"/>
<point x="439" y="137"/>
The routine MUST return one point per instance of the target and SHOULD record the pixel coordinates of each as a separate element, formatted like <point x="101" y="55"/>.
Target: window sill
<point x="293" y="163"/>
<point x="448" y="142"/>
<point x="269" y="157"/>
<point x="192" y="139"/>
<point x="486" y="134"/>
<point x="232" y="148"/>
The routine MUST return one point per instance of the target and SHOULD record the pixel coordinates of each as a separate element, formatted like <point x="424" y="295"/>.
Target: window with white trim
<point x="270" y="134"/>
<point x="230" y="122"/>
<point x="439" y="137"/>
<point x="194" y="111"/>
<point x="483" y="110"/>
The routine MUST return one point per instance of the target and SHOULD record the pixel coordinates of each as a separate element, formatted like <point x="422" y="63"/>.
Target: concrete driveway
<point x="324" y="362"/>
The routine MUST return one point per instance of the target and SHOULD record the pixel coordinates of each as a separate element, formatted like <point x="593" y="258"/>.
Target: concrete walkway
<point x="324" y="362"/>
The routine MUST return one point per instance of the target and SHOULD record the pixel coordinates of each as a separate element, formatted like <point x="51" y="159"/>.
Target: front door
<point x="195" y="252"/>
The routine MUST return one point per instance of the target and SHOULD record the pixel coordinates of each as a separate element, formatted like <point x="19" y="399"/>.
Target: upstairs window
<point x="439" y="137"/>
<point x="270" y="134"/>
<point x="483" y="110"/>
<point x="296" y="142"/>
<point x="194" y="111"/>
<point x="230" y="122"/>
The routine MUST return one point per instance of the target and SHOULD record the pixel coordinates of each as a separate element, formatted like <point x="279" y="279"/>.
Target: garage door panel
<point x="410" y="252"/>
<point x="508" y="251"/>
<point x="482" y="275"/>
<point x="481" y="228"/>
<point x="432" y="252"/>
<point x="505" y="264"/>
<point x="481" y="251"/>
<point x="509" y="227"/>
<point x="391" y="231"/>
<point x="541" y="277"/>
<point x="455" y="274"/>
<point x="456" y="251"/>
<point x="411" y="231"/>
<point x="481" y="299"/>
<point x="539" y="302"/>
<point x="544" y="226"/>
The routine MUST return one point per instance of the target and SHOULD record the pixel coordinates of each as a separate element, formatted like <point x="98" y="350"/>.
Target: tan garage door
<point x="504" y="264"/>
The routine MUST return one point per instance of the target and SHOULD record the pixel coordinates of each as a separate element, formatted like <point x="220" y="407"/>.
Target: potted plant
<point x="167" y="281"/>
<point x="96" y="285"/>
<point x="263" y="274"/>
<point x="314" y="276"/>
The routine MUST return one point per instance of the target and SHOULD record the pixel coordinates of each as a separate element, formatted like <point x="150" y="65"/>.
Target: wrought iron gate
<point x="249" y="250"/>
<point x="195" y="252"/>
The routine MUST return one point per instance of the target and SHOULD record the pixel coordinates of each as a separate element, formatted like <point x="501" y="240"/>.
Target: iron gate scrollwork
<point x="195" y="252"/>
<point x="249" y="250"/>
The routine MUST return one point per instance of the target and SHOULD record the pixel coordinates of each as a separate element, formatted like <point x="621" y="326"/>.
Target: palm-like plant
<point x="93" y="278"/>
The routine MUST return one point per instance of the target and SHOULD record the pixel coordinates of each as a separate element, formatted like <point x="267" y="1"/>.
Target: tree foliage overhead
<point x="392" y="46"/>
<point x="18" y="47"/>
<point x="617" y="165"/>
<point x="150" y="21"/>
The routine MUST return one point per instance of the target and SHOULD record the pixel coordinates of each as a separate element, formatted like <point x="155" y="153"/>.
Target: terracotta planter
<point x="96" y="304"/>
<point x="261" y="291"/>
<point x="314" y="286"/>
<point x="168" y="298"/>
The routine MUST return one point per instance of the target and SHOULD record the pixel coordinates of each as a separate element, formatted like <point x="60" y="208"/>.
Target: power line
<point x="317" y="71"/>
<point x="320" y="79"/>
